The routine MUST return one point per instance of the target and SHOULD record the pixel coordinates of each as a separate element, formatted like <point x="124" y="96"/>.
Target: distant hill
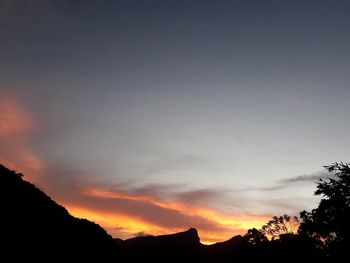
<point x="226" y="251"/>
<point x="34" y="227"/>
<point x="178" y="247"/>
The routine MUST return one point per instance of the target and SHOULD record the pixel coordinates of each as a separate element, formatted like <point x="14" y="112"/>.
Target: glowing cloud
<point x="118" y="212"/>
<point x="16" y="128"/>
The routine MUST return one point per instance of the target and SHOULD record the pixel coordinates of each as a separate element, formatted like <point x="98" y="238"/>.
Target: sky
<point x="154" y="116"/>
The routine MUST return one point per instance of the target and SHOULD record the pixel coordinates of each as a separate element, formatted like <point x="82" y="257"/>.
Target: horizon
<point x="156" y="116"/>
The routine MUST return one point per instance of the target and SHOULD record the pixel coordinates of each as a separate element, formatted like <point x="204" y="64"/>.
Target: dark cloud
<point x="307" y="178"/>
<point x="183" y="193"/>
<point x="293" y="181"/>
<point x="156" y="190"/>
<point x="161" y="163"/>
<point x="141" y="234"/>
<point x="284" y="204"/>
<point x="202" y="195"/>
<point x="271" y="188"/>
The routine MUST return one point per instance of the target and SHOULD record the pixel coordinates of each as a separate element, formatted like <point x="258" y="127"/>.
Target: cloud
<point x="179" y="192"/>
<point x="161" y="163"/>
<point x="292" y="181"/>
<point x="307" y="178"/>
<point x="201" y="196"/>
<point x="17" y="125"/>
<point x="154" y="209"/>
<point x="271" y="188"/>
<point x="277" y="197"/>
<point x="155" y="190"/>
<point x="165" y="214"/>
<point x="141" y="234"/>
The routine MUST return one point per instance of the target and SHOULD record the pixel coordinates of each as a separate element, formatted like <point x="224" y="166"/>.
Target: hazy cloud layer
<point x="313" y="178"/>
<point x="310" y="179"/>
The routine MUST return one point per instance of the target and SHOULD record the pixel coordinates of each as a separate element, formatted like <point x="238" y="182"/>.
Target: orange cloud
<point x="118" y="225"/>
<point x="16" y="128"/>
<point x="213" y="225"/>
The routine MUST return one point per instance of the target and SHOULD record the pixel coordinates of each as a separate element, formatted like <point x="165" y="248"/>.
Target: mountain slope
<point x="33" y="226"/>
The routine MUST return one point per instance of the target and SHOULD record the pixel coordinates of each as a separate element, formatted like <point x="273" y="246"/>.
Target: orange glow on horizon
<point x="229" y="224"/>
<point x="131" y="225"/>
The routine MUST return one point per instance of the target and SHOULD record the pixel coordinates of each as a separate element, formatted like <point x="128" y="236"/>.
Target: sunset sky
<point x="154" y="116"/>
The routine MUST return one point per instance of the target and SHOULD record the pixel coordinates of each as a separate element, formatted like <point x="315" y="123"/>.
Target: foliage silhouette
<point x="255" y="237"/>
<point x="328" y="224"/>
<point x="281" y="225"/>
<point x="275" y="241"/>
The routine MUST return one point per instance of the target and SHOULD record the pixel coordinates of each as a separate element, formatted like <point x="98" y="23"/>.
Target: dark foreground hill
<point x="34" y="227"/>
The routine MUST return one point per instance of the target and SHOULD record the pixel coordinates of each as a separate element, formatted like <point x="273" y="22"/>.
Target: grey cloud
<point x="161" y="163"/>
<point x="201" y="195"/>
<point x="157" y="190"/>
<point x="293" y="181"/>
<point x="307" y="178"/>
<point x="271" y="188"/>
<point x="141" y="234"/>
<point x="172" y="191"/>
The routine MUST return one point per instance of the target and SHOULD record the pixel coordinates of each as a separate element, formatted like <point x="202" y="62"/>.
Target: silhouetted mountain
<point x="222" y="251"/>
<point x="178" y="247"/>
<point x="32" y="226"/>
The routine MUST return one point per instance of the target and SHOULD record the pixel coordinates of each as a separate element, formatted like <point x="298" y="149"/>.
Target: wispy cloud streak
<point x="17" y="125"/>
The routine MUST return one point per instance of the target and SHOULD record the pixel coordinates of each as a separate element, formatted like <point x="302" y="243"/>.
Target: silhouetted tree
<point x="280" y="225"/>
<point x="284" y="242"/>
<point x="329" y="222"/>
<point x="255" y="237"/>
